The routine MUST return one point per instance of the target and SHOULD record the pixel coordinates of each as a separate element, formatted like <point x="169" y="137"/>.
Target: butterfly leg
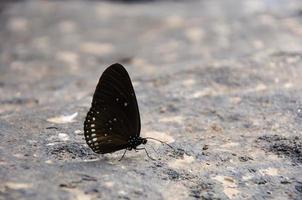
<point x="146" y="152"/>
<point x="123" y="155"/>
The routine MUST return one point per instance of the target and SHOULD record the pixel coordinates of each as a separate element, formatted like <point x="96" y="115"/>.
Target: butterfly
<point x="113" y="121"/>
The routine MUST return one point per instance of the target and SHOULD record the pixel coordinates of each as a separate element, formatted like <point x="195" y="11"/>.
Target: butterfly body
<point x="133" y="142"/>
<point x="113" y="121"/>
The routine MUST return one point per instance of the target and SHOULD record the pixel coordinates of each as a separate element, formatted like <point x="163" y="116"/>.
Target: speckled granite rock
<point x="219" y="80"/>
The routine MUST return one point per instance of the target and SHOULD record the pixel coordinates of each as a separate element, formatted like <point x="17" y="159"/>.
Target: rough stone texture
<point x="219" y="80"/>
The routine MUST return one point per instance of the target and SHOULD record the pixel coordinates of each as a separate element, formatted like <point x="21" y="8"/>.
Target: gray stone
<point x="219" y="80"/>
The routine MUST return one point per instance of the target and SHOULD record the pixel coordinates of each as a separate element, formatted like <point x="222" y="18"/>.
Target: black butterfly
<point x="113" y="121"/>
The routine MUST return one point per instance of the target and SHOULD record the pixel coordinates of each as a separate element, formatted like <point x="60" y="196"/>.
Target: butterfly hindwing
<point x="114" y="116"/>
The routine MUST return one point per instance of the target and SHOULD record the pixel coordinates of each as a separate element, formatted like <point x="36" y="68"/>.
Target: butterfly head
<point x="135" y="141"/>
<point x="143" y="140"/>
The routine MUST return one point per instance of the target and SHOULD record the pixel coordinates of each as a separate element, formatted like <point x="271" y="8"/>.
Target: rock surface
<point x="219" y="80"/>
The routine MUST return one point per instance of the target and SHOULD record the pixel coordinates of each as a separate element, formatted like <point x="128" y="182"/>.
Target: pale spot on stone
<point x="63" y="119"/>
<point x="260" y="87"/>
<point x="63" y="136"/>
<point x="188" y="82"/>
<point x="288" y="85"/>
<point x="139" y="62"/>
<point x="269" y="171"/>
<point x="175" y="191"/>
<point x="195" y="35"/>
<point x="165" y="137"/>
<point x="18" y="155"/>
<point x="247" y="177"/>
<point x="69" y="58"/>
<point x="229" y="186"/>
<point x="235" y="100"/>
<point x="135" y="83"/>
<point x="48" y="162"/>
<point x="258" y="44"/>
<point x="232" y="193"/>
<point x="18" y="186"/>
<point x="122" y="192"/>
<point x="175" y="119"/>
<point x="2" y="162"/>
<point x="174" y="21"/>
<point x="230" y="145"/>
<point x="293" y="59"/>
<point x="103" y="11"/>
<point x="202" y="93"/>
<point x="181" y="163"/>
<point x="77" y="131"/>
<point x="67" y="26"/>
<point x="18" y="24"/>
<point x="52" y="144"/>
<point x="97" y="49"/>
<point x="109" y="184"/>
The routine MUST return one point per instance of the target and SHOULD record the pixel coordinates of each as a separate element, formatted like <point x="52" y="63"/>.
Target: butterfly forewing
<point x="114" y="116"/>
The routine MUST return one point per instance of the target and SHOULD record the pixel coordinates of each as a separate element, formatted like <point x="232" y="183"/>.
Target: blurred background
<point x="218" y="79"/>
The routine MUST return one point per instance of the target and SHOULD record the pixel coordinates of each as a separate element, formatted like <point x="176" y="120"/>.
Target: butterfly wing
<point x="114" y="116"/>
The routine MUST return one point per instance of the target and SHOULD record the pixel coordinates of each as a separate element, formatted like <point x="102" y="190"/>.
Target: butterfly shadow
<point x="73" y="152"/>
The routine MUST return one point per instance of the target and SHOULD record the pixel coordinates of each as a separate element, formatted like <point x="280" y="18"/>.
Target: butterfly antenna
<point x="161" y="142"/>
